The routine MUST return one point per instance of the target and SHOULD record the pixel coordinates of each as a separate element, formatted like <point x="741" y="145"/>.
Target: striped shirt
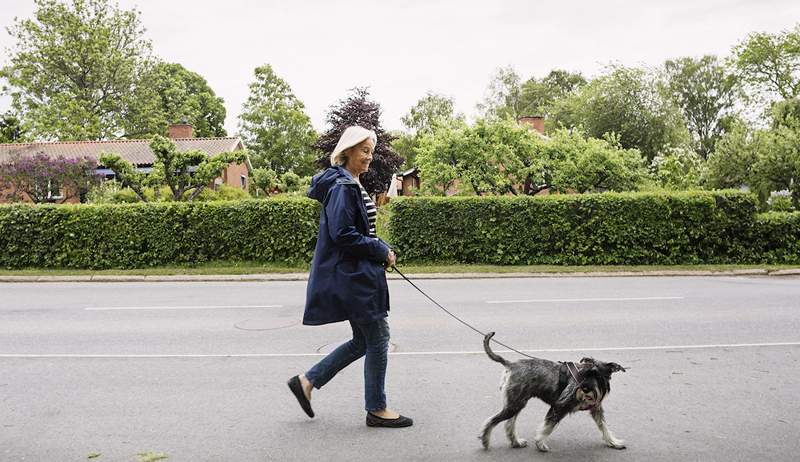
<point x="372" y="211"/>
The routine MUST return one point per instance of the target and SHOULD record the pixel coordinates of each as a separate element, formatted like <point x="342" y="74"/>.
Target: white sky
<point x="402" y="49"/>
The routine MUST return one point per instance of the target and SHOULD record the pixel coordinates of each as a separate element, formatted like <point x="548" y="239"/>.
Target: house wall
<point x="5" y="194"/>
<point x="232" y="174"/>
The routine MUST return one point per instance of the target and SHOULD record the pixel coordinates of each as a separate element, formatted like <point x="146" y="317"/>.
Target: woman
<point x="348" y="279"/>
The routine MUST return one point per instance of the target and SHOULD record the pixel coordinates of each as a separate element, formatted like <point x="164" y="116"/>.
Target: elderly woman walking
<point x="348" y="279"/>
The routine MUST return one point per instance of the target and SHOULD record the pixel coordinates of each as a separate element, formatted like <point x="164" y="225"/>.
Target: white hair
<point x="351" y="137"/>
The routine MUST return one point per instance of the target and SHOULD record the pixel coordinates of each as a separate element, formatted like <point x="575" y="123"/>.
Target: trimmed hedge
<point x="599" y="229"/>
<point x="777" y="235"/>
<point x="152" y="234"/>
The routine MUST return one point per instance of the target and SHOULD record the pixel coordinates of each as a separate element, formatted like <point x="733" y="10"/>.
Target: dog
<point x="566" y="387"/>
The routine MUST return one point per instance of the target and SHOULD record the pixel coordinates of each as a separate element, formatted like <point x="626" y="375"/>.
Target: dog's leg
<point x="511" y="433"/>
<point x="486" y="431"/>
<point x="552" y="419"/>
<point x="608" y="437"/>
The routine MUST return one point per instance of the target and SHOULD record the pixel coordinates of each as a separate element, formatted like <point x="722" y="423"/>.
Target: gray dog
<point x="566" y="387"/>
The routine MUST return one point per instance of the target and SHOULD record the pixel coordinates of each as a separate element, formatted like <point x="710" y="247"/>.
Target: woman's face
<point x="359" y="157"/>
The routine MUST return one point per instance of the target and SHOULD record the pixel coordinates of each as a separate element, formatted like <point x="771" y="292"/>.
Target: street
<point x="197" y="370"/>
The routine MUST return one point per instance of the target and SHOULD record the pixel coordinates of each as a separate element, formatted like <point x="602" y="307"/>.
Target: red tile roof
<point x="137" y="152"/>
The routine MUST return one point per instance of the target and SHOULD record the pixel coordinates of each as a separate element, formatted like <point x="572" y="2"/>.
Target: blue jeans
<point x="371" y="340"/>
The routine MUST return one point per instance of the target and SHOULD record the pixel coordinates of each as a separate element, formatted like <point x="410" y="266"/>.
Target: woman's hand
<point x="391" y="259"/>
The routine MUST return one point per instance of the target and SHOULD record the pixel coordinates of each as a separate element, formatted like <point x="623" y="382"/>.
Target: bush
<point x="777" y="235"/>
<point x="152" y="234"/>
<point x="600" y="229"/>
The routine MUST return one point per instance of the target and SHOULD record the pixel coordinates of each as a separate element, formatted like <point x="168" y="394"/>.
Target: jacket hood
<point x="323" y="181"/>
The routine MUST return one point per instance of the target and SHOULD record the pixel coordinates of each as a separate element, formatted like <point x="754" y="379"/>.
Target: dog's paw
<point x="542" y="446"/>
<point x="616" y="444"/>
<point x="520" y="443"/>
<point x="484" y="441"/>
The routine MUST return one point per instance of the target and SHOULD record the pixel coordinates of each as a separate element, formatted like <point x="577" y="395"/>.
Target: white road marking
<point x="194" y="307"/>
<point x="553" y="300"/>
<point x="401" y="353"/>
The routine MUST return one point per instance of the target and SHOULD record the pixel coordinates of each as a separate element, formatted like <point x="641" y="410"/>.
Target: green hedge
<point x="151" y="234"/>
<point x="777" y="236"/>
<point x="598" y="229"/>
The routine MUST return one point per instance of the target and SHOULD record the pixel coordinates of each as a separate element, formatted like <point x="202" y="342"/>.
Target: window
<point x="243" y="178"/>
<point x="54" y="190"/>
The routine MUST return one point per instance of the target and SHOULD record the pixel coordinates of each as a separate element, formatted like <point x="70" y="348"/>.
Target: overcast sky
<point x="402" y="49"/>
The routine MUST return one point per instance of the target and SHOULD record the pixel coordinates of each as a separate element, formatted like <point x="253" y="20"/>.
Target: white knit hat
<point x="351" y="137"/>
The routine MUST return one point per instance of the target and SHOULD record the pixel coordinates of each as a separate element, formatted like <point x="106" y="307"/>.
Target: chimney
<point x="181" y="130"/>
<point x="534" y="122"/>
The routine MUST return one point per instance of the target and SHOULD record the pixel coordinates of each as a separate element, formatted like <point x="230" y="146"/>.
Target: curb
<point x="393" y="276"/>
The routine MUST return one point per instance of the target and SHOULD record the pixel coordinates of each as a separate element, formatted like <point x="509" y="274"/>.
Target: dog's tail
<point x="488" y="349"/>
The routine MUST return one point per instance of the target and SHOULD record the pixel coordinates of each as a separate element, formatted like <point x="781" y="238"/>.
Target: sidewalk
<point x="304" y="276"/>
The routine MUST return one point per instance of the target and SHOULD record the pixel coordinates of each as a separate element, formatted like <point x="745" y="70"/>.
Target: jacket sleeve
<point x="341" y="211"/>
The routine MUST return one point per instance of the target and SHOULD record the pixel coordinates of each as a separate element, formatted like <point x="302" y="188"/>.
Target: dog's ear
<point x="614" y="367"/>
<point x="587" y="361"/>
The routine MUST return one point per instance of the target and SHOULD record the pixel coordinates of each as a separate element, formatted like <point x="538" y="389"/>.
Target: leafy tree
<point x="785" y="113"/>
<point x="770" y="63"/>
<point x="679" y="169"/>
<point x="275" y="128"/>
<point x="503" y="96"/>
<point x="626" y="102"/>
<point x="170" y="93"/>
<point x="430" y="112"/>
<point x="358" y="109"/>
<point x="75" y="68"/>
<point x="731" y="163"/>
<point x="265" y="180"/>
<point x="539" y="95"/>
<point x="45" y="179"/>
<point x="778" y="165"/>
<point x="500" y="156"/>
<point x="289" y="182"/>
<point x="706" y="93"/>
<point x="765" y="160"/>
<point x="593" y="165"/>
<point x="11" y="130"/>
<point x="186" y="173"/>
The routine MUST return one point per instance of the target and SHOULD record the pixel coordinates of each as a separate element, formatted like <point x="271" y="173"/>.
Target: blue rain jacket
<point x="348" y="279"/>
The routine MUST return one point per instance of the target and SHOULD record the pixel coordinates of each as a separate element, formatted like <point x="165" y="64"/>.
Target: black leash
<point x="456" y="317"/>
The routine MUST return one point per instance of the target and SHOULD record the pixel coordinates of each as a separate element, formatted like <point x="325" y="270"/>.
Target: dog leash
<point x="456" y="317"/>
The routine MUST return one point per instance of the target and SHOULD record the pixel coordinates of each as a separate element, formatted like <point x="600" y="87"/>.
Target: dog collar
<point x="570" y="366"/>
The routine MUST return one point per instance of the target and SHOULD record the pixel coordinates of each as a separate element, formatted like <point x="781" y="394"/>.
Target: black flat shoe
<point x="297" y="390"/>
<point x="375" y="421"/>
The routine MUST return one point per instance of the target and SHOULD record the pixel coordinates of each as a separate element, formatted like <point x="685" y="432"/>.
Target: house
<point x="137" y="152"/>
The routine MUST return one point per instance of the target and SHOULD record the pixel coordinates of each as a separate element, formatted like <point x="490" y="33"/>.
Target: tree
<point x="626" y="102"/>
<point x="45" y="179"/>
<point x="430" y="111"/>
<point x="265" y="180"/>
<point x="186" y="173"/>
<point x="778" y="165"/>
<point x="770" y="63"/>
<point x="539" y="95"/>
<point x="75" y="69"/>
<point x="275" y="128"/>
<point x="735" y="154"/>
<point x="503" y="96"/>
<point x="11" y="129"/>
<point x="358" y="109"/>
<point x="168" y="94"/>
<point x="679" y="169"/>
<point x="706" y="93"/>
<point x="429" y="114"/>
<point x="500" y="157"/>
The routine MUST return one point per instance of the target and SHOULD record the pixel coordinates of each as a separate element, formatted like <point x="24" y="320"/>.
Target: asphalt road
<point x="197" y="370"/>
